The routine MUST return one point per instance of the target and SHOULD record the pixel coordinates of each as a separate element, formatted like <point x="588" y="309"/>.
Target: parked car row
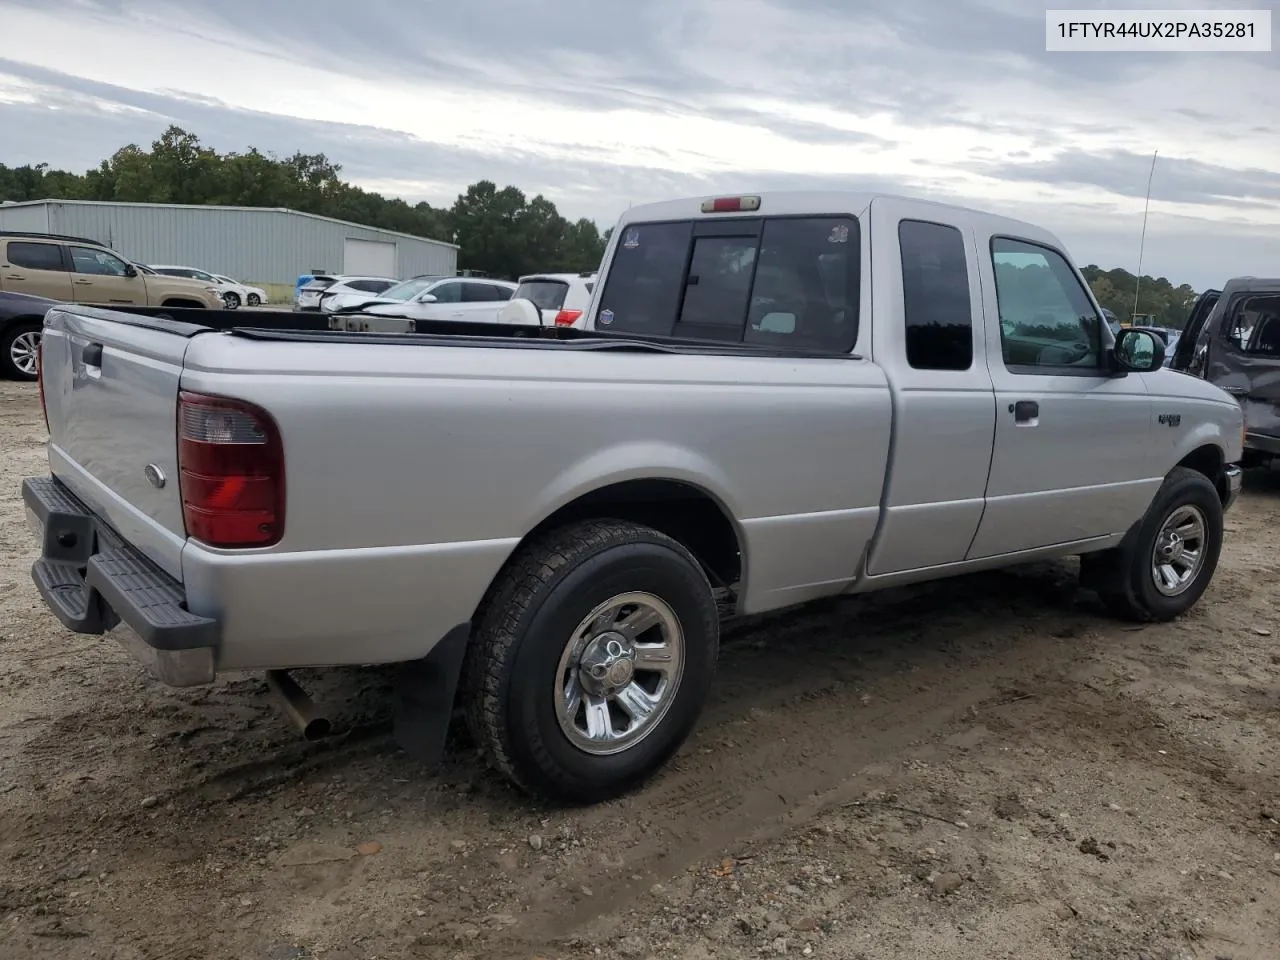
<point x="234" y="293"/>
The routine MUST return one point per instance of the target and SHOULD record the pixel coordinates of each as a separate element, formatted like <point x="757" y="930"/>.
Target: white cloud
<point x="950" y="97"/>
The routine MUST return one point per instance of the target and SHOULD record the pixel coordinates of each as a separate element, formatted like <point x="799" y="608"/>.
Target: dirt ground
<point x="982" y="768"/>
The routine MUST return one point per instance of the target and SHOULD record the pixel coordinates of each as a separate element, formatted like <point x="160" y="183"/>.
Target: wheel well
<point x="1208" y="460"/>
<point x="179" y="302"/>
<point x="682" y="511"/>
<point x="32" y="321"/>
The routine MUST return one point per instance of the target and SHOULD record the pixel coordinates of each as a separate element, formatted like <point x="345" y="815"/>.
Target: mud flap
<point x="424" y="693"/>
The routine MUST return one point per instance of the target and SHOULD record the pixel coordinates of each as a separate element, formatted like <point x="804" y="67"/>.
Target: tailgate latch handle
<point x="92" y="355"/>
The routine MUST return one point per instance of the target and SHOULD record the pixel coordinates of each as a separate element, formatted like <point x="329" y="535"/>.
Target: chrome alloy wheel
<point x="1179" y="550"/>
<point x="24" y="352"/>
<point x="619" y="673"/>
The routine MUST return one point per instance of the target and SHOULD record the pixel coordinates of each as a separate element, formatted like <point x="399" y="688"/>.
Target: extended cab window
<point x="787" y="281"/>
<point x="935" y="295"/>
<point x="1047" y="322"/>
<point x="35" y="256"/>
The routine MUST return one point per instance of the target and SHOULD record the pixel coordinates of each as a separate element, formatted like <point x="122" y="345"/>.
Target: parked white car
<point x="444" y="298"/>
<point x="232" y="292"/>
<point x="248" y="294"/>
<point x="351" y="292"/>
<point x="563" y="298"/>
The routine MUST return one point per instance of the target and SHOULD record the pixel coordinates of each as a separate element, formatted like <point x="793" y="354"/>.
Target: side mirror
<point x="1139" y="350"/>
<point x="427" y="298"/>
<point x="520" y="313"/>
<point x="130" y="270"/>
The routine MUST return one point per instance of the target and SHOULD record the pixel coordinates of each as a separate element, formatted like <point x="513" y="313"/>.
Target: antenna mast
<point x="1137" y="286"/>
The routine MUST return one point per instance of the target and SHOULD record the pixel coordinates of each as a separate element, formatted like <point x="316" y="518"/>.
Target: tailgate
<point x="111" y="395"/>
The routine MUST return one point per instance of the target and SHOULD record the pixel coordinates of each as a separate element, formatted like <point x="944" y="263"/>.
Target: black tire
<point x="254" y="300"/>
<point x="16" y="332"/>
<point x="524" y="627"/>
<point x="1123" y="577"/>
<point x="231" y="300"/>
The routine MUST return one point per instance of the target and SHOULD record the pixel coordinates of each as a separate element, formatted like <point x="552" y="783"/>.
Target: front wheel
<point x="1165" y="564"/>
<point x="591" y="660"/>
<point x="20" y="351"/>
<point x="254" y="300"/>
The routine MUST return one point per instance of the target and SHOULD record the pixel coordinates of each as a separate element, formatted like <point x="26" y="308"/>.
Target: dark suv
<point x="1232" y="339"/>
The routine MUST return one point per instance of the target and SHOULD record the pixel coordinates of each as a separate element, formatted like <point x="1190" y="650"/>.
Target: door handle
<point x="1237" y="391"/>
<point x="78" y="280"/>
<point x="16" y="276"/>
<point x="92" y="355"/>
<point x="1025" y="411"/>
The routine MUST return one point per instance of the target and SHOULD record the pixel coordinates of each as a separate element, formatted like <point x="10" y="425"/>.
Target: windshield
<point x="408" y="289"/>
<point x="546" y="294"/>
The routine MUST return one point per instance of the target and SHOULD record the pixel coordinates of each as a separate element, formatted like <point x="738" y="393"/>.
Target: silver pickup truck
<point x="777" y="398"/>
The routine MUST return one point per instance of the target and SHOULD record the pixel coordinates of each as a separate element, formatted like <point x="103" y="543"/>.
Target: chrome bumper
<point x="1233" y="479"/>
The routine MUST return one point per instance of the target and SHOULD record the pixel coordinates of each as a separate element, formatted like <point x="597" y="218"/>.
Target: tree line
<point x="1115" y="289"/>
<point x="499" y="231"/>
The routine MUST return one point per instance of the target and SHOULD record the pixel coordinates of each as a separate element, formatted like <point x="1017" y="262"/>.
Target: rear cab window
<point x="780" y="281"/>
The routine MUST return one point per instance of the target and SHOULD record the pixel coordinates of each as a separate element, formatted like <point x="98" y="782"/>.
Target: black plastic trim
<point x="91" y="579"/>
<point x="500" y="336"/>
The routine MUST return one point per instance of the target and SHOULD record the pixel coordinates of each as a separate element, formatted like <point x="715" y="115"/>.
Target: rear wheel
<point x="231" y="300"/>
<point x="19" y="351"/>
<point x="591" y="660"/>
<point x="1165" y="564"/>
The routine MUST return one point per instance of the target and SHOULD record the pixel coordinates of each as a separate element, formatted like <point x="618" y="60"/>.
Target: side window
<point x="89" y="260"/>
<point x="447" y="292"/>
<point x="1047" y="322"/>
<point x="499" y="294"/>
<point x="643" y="286"/>
<point x="935" y="295"/>
<point x="369" y="286"/>
<point x="35" y="256"/>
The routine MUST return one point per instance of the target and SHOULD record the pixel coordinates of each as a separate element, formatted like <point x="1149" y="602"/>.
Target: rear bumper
<point x="93" y="582"/>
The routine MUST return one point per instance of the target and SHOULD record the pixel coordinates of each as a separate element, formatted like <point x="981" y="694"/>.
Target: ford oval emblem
<point x="154" y="475"/>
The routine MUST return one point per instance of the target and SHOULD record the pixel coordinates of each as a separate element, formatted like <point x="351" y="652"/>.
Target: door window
<point x="447" y="292"/>
<point x="99" y="262"/>
<point x="935" y="294"/>
<point x="36" y="256"/>
<point x="1048" y="324"/>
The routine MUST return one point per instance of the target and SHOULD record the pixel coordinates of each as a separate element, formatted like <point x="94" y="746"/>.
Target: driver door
<point x="1070" y="459"/>
<point x="100" y="277"/>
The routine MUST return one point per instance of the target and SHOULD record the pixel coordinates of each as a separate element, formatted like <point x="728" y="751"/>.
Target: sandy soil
<point x="983" y="768"/>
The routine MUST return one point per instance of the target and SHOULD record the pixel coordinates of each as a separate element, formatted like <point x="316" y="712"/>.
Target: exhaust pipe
<point x="306" y="716"/>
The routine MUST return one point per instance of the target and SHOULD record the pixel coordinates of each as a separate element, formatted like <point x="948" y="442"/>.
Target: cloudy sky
<point x="602" y="103"/>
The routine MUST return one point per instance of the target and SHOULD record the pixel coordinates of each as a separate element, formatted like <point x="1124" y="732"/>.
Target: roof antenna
<point x="1137" y="286"/>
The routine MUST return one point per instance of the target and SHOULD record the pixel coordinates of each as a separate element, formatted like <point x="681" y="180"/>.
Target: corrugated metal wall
<point x="256" y="246"/>
<point x="34" y="218"/>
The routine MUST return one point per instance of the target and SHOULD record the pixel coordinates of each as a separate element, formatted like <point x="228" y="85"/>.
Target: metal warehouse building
<point x="259" y="245"/>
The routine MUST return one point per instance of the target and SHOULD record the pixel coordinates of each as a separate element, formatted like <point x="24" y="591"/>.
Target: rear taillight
<point x="44" y="407"/>
<point x="566" y="318"/>
<point x="230" y="472"/>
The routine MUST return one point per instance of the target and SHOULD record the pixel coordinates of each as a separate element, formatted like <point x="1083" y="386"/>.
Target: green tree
<point x="498" y="230"/>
